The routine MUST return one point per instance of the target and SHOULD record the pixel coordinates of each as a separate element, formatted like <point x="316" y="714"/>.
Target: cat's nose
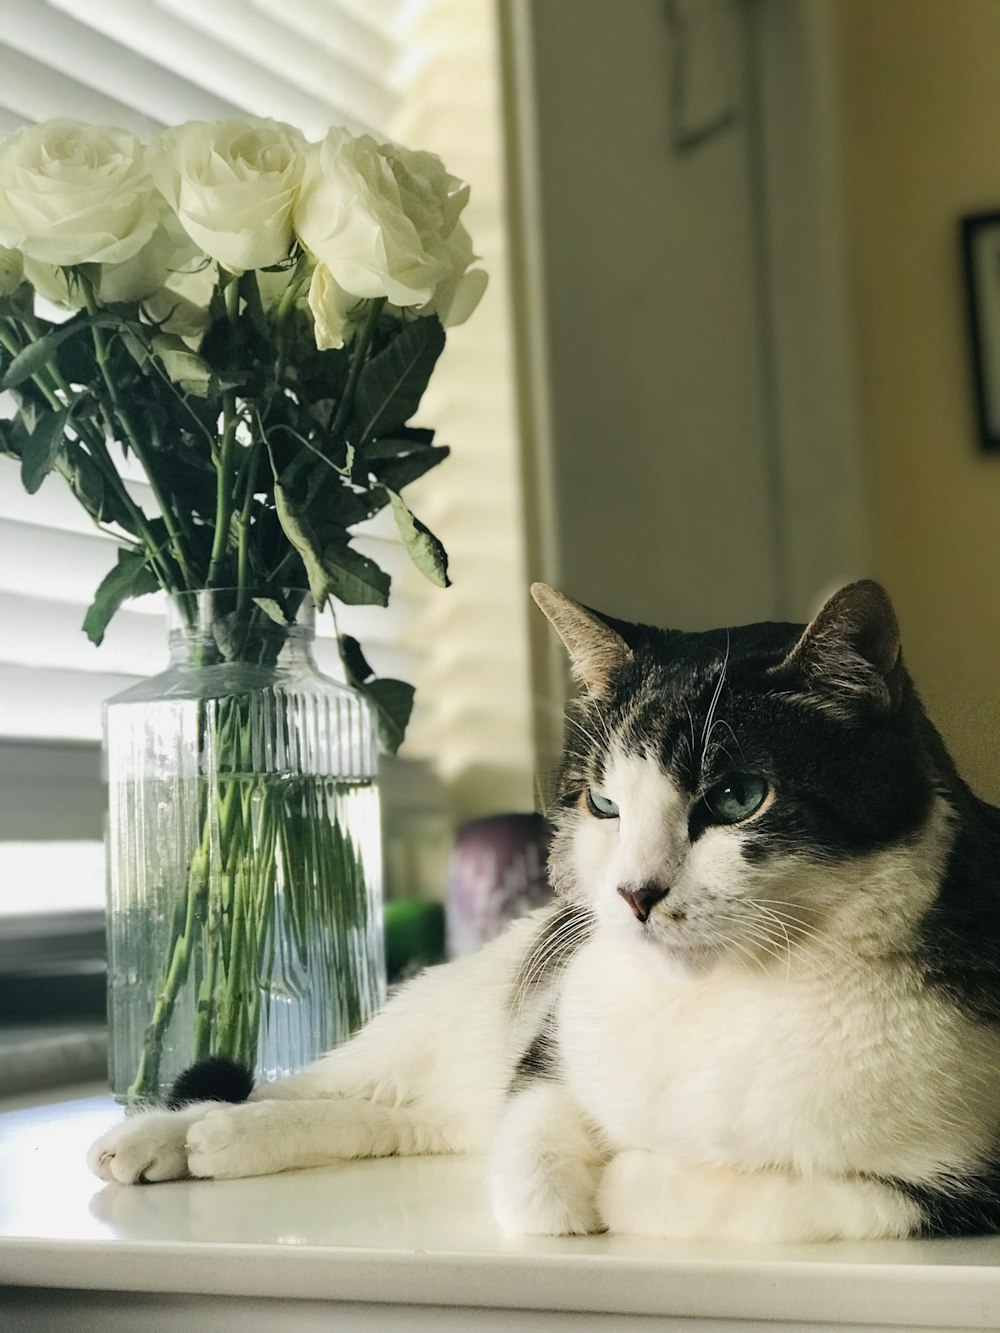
<point x="642" y="898"/>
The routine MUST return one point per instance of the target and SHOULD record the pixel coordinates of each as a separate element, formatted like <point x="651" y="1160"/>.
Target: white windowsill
<point x="414" y="1233"/>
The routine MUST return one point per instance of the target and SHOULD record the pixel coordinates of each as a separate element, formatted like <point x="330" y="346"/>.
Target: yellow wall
<point x="920" y="92"/>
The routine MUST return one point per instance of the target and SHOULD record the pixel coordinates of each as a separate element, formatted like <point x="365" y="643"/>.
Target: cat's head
<point x="726" y="793"/>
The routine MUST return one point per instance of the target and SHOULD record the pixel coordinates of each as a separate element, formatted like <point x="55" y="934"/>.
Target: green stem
<point x="122" y="415"/>
<point x="243" y="540"/>
<point x="224" y="480"/>
<point x="146" y="1081"/>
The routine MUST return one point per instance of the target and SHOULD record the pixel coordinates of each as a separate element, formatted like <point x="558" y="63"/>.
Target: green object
<point x="414" y="936"/>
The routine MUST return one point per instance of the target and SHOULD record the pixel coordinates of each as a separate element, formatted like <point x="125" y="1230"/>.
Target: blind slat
<point x="332" y="29"/>
<point x="234" y="74"/>
<point x="79" y="52"/>
<point x="54" y="504"/>
<point x="36" y="92"/>
<point x="55" y="704"/>
<point x="43" y="562"/>
<point x="271" y="45"/>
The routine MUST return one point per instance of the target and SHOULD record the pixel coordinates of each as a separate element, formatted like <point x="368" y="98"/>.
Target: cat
<point x="764" y="1005"/>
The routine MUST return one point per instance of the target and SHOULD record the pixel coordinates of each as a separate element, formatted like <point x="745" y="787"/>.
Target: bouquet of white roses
<point x="255" y="319"/>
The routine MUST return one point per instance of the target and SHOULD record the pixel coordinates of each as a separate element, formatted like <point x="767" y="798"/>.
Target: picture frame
<point x="980" y="234"/>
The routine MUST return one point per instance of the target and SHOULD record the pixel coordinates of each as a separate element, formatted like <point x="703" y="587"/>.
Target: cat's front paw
<point x="235" y="1141"/>
<point x="145" y="1148"/>
<point x="540" y="1205"/>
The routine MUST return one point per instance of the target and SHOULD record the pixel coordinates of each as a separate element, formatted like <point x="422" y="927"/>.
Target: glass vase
<point x="244" y="852"/>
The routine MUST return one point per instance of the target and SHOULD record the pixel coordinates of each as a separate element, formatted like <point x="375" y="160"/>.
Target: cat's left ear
<point x="850" y="653"/>
<point x="595" y="650"/>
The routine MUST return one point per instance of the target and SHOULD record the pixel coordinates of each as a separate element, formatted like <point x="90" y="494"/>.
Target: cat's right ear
<point x="595" y="650"/>
<point x="850" y="652"/>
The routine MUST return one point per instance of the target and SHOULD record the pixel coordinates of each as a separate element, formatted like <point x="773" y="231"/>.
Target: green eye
<point x="600" y="806"/>
<point x="736" y="797"/>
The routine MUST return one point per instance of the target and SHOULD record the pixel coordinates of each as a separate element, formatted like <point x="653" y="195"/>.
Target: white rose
<point x="385" y="222"/>
<point x="135" y="279"/>
<point x="11" y="271"/>
<point x="232" y="184"/>
<point x="75" y="194"/>
<point x="331" y="308"/>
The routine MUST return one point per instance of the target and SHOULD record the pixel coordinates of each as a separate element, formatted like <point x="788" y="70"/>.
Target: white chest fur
<point x="811" y="1067"/>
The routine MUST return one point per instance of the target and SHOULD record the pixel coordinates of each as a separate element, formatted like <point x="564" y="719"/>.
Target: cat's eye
<point x="735" y="797"/>
<point x="600" y="806"/>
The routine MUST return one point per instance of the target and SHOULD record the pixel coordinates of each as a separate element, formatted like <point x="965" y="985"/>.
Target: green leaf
<point x="41" y="352"/>
<point x="42" y="449"/>
<point x="130" y="577"/>
<point x="185" y="368"/>
<point x="395" y="473"/>
<point x="134" y="345"/>
<point x="393" y="704"/>
<point x="333" y="568"/>
<point x="425" y="550"/>
<point x="12" y="438"/>
<point x="306" y="540"/>
<point x="273" y="609"/>
<point x="353" y="578"/>
<point x="354" y="660"/>
<point x="392" y="700"/>
<point x="86" y="481"/>
<point x="390" y="387"/>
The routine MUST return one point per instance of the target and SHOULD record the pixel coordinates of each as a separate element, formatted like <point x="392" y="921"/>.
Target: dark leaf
<point x="42" y="449"/>
<point x="87" y="483"/>
<point x="273" y="610"/>
<point x="353" y="578"/>
<point x="238" y="355"/>
<point x="130" y="577"/>
<point x="12" y="438"/>
<point x="355" y="662"/>
<point x="185" y="368"/>
<point x="76" y="361"/>
<point x="136" y="346"/>
<point x="393" y="704"/>
<point x="39" y="353"/>
<point x="395" y="473"/>
<point x="391" y="385"/>
<point x="333" y="568"/>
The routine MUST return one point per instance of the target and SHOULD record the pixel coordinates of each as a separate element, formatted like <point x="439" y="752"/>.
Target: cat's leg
<point x="281" y="1134"/>
<point x="545" y="1164"/>
<point x="438" y="1049"/>
<point x="645" y="1193"/>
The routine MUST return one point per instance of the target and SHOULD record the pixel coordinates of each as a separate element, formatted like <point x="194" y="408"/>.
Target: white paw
<point x="540" y="1206"/>
<point x="146" y="1147"/>
<point x="234" y="1141"/>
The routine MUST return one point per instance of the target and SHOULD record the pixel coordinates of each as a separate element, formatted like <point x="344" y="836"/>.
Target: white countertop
<point x="418" y="1232"/>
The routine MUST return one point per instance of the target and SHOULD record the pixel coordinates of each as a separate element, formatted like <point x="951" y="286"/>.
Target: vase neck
<point x="220" y="626"/>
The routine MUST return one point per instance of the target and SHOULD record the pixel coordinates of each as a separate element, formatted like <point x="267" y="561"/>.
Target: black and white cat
<point x="766" y="1004"/>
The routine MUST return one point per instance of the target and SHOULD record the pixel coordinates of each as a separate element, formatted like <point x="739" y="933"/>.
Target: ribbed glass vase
<point x="244" y="851"/>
